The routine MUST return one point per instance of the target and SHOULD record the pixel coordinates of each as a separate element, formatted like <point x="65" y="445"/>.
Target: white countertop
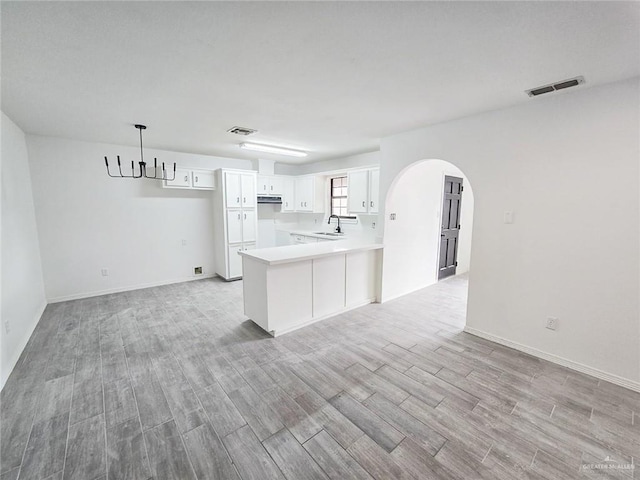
<point x="309" y="251"/>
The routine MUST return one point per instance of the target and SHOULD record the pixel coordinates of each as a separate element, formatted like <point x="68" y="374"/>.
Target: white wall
<point x="23" y="297"/>
<point x="567" y="165"/>
<point x="88" y="221"/>
<point x="353" y="161"/>
<point x="412" y="241"/>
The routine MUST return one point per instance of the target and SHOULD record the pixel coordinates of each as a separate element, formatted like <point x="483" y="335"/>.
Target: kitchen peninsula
<point x="286" y="288"/>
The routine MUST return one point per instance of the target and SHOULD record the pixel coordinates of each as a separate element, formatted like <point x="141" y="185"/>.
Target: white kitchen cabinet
<point x="235" y="220"/>
<point x="232" y="189"/>
<point x="248" y="183"/>
<point x="288" y="194"/>
<point x="181" y="180"/>
<point x="249" y="226"/>
<point x="234" y="226"/>
<point x="364" y="186"/>
<point x="298" y="239"/>
<point x="358" y="197"/>
<point x="191" y="179"/>
<point x="270" y="185"/>
<point x="309" y="194"/>
<point x="374" y="190"/>
<point x="203" y="179"/>
<point x="235" y="260"/>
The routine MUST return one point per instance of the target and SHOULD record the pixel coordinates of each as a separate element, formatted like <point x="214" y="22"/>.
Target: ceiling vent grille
<point x="553" y="87"/>
<point x="242" y="131"/>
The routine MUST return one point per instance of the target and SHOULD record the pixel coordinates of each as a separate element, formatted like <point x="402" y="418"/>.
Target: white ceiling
<point x="328" y="77"/>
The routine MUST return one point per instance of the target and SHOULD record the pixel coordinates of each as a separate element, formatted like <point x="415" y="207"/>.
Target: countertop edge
<point x="312" y="255"/>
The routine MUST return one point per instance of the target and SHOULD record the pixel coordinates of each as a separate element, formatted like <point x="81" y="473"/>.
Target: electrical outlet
<point x="7" y="326"/>
<point x="552" y="323"/>
<point x="184" y="242"/>
<point x="392" y="216"/>
<point x="104" y="272"/>
<point x="373" y="225"/>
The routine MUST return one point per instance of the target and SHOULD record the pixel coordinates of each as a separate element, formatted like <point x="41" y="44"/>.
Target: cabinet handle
<point x="265" y="187"/>
<point x="186" y="178"/>
<point x="238" y="216"/>
<point x="372" y="203"/>
<point x="237" y="199"/>
<point x="245" y="216"/>
<point x="271" y="187"/>
<point x="286" y="204"/>
<point x="363" y="204"/>
<point x="196" y="179"/>
<point x="305" y="204"/>
<point x="244" y="199"/>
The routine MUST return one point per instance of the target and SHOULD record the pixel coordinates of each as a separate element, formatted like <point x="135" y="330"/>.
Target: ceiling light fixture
<point x="258" y="147"/>
<point x="143" y="165"/>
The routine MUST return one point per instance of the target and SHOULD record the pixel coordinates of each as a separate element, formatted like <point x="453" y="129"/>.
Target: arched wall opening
<point x="412" y="240"/>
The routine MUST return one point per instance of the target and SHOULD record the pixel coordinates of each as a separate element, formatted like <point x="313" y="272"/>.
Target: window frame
<point x="332" y="197"/>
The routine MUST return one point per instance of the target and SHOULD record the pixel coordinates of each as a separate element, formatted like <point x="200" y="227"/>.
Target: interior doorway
<point x="413" y="225"/>
<point x="450" y="226"/>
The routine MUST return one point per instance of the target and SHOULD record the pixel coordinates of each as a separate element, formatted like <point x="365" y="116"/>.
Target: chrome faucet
<point x="338" y="229"/>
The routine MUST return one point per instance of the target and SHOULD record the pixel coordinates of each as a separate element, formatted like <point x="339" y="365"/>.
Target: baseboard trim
<point x="14" y="360"/>
<point x="579" y="367"/>
<point x="398" y="295"/>
<point x="80" y="296"/>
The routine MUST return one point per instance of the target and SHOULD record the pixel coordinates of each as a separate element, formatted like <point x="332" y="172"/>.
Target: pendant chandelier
<point x="142" y="173"/>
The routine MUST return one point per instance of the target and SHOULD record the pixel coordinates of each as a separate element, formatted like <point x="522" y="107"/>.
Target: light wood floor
<point x="172" y="382"/>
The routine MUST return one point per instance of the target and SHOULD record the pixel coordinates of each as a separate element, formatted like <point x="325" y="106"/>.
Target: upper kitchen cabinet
<point x="240" y="189"/>
<point x="191" y="179"/>
<point x="309" y="194"/>
<point x="364" y="187"/>
<point x="270" y="185"/>
<point x="288" y="194"/>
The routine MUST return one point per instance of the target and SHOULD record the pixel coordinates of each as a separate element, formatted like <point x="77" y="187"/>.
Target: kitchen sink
<point x="331" y="234"/>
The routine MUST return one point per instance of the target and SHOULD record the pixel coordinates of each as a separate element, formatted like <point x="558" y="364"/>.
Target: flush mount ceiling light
<point x="258" y="147"/>
<point x="143" y="165"/>
<point x="554" y="87"/>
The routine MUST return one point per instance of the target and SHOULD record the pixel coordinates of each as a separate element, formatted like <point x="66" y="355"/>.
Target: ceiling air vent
<point x="242" y="131"/>
<point x="572" y="82"/>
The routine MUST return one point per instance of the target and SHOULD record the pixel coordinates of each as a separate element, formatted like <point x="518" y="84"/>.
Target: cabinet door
<point x="263" y="184"/>
<point x="248" y="225"/>
<point x="233" y="193"/>
<point x="358" y="183"/>
<point x="235" y="261"/>
<point x="182" y="180"/>
<point x="248" y="190"/>
<point x="304" y="194"/>
<point x="276" y="187"/>
<point x="374" y="190"/>
<point x="234" y="226"/>
<point x="288" y="194"/>
<point x="203" y="179"/>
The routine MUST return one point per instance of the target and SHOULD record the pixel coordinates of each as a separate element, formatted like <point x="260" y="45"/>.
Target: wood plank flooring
<point x="174" y="383"/>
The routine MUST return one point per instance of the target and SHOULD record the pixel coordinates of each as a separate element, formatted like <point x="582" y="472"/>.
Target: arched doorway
<point x="413" y="227"/>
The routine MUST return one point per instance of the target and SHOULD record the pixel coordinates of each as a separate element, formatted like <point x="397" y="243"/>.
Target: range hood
<point x="272" y="199"/>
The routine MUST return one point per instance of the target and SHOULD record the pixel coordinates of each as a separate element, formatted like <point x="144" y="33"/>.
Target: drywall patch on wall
<point x="139" y="232"/>
<point x="23" y="295"/>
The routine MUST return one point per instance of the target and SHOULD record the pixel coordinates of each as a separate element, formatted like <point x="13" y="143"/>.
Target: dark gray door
<point x="450" y="226"/>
